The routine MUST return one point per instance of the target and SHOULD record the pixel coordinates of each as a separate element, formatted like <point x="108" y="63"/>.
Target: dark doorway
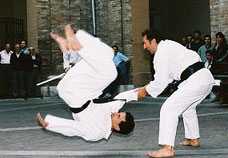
<point x="13" y="22"/>
<point x="177" y="18"/>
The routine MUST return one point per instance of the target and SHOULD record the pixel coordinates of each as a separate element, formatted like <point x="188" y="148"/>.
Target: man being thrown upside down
<point x="80" y="87"/>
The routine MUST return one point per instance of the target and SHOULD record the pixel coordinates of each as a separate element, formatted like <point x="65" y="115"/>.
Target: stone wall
<point x="113" y="25"/>
<point x="53" y="15"/>
<point x="219" y="16"/>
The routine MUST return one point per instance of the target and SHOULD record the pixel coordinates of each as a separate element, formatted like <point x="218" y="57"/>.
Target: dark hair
<point x="207" y="36"/>
<point x="24" y="41"/>
<point x="197" y="31"/>
<point x="115" y="46"/>
<point x="221" y="35"/>
<point x="211" y="52"/>
<point x="152" y="34"/>
<point x="127" y="126"/>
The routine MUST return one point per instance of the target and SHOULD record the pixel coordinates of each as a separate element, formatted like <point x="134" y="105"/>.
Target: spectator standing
<point x="6" y="71"/>
<point x="190" y="40"/>
<point x="33" y="69"/>
<point x="204" y="48"/>
<point x="198" y="42"/>
<point x="24" y="47"/>
<point x="120" y="62"/>
<point x="221" y="46"/>
<point x="184" y="41"/>
<point x="18" y="62"/>
<point x="210" y="59"/>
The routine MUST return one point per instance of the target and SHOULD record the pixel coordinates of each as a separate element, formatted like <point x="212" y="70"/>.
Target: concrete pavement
<point x="21" y="136"/>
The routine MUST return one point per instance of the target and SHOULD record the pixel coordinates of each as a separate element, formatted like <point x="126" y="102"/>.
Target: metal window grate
<point x="11" y="31"/>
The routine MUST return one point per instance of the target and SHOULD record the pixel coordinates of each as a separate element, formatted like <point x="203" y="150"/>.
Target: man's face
<point x="207" y="40"/>
<point x="117" y="118"/>
<point x="23" y="44"/>
<point x="17" y="48"/>
<point x="7" y="48"/>
<point x="149" y="45"/>
<point x="209" y="57"/>
<point x="189" y="38"/>
<point x="31" y="50"/>
<point x="115" y="49"/>
<point x="197" y="36"/>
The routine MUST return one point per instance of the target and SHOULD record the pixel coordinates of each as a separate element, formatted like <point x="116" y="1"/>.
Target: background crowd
<point x="20" y="68"/>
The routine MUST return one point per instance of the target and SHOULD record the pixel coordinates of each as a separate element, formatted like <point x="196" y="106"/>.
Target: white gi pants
<point x="190" y="93"/>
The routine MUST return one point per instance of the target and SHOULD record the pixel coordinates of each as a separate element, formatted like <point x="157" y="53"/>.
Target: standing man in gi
<point x="172" y="61"/>
<point x="82" y="84"/>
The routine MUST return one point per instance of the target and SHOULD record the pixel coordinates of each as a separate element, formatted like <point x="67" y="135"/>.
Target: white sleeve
<point x="127" y="95"/>
<point x="71" y="128"/>
<point x="161" y="78"/>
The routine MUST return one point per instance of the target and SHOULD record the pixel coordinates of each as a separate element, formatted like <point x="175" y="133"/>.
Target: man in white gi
<point x="172" y="61"/>
<point x="82" y="84"/>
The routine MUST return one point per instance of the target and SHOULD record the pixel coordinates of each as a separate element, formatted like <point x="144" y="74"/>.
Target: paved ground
<point x="20" y="136"/>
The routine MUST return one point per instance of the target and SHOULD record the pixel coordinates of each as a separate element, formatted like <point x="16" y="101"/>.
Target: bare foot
<point x="165" y="151"/>
<point x="41" y="121"/>
<point x="191" y="142"/>
<point x="73" y="42"/>
<point x="62" y="42"/>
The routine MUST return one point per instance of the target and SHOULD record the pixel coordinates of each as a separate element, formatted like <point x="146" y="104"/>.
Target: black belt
<point x="83" y="107"/>
<point x="96" y="101"/>
<point x="191" y="70"/>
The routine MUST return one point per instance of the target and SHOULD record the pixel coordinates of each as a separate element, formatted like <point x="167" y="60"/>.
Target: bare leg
<point x="73" y="42"/>
<point x="62" y="42"/>
<point x="41" y="121"/>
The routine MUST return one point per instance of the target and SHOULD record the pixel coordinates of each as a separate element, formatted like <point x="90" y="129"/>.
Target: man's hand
<point x="142" y="93"/>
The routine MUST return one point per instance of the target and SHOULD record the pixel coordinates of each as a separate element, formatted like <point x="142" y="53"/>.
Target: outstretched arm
<point x="142" y="93"/>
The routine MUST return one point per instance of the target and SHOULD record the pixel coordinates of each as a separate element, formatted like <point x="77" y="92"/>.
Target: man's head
<point x="151" y="38"/>
<point x="189" y="38"/>
<point x="122" y="122"/>
<point x="17" y="48"/>
<point x="23" y="44"/>
<point x="207" y="39"/>
<point x="197" y="35"/>
<point x="209" y="55"/>
<point x="7" y="47"/>
<point x="115" y="49"/>
<point x="31" y="50"/>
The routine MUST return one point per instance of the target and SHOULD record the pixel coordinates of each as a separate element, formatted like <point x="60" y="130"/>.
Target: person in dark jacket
<point x="18" y="63"/>
<point x="33" y="69"/>
<point x="220" y="47"/>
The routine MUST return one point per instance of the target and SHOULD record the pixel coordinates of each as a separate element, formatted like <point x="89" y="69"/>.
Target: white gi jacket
<point x="170" y="60"/>
<point x="85" y="81"/>
<point x="93" y="123"/>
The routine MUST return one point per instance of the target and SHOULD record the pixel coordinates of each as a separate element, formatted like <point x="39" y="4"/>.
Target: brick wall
<point x="113" y="20"/>
<point x="219" y="16"/>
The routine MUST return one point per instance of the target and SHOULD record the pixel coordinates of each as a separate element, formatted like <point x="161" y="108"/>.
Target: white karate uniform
<point x="170" y="60"/>
<point x="85" y="81"/>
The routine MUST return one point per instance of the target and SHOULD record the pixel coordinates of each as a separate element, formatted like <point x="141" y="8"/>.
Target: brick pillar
<point x="219" y="16"/>
<point x="140" y="22"/>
